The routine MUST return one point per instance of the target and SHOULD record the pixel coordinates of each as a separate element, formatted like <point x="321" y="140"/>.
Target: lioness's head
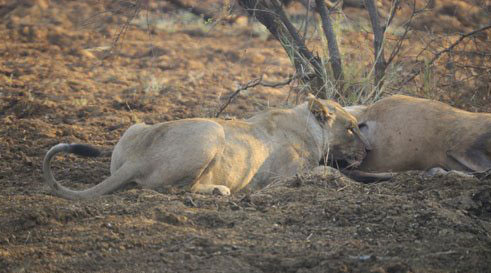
<point x="345" y="143"/>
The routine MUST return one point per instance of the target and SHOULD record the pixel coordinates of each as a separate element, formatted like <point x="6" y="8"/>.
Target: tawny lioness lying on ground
<point x="409" y="133"/>
<point x="223" y="156"/>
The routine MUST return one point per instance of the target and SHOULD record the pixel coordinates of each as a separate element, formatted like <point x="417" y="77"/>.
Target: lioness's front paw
<point x="211" y="189"/>
<point x="221" y="190"/>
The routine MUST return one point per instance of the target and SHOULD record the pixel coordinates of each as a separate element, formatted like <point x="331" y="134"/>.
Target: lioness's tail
<point x="116" y="180"/>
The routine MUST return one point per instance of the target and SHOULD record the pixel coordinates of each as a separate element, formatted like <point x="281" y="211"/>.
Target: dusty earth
<point x="64" y="79"/>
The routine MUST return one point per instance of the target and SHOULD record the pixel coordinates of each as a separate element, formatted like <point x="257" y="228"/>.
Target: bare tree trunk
<point x="271" y="14"/>
<point x="378" y="33"/>
<point x="332" y="44"/>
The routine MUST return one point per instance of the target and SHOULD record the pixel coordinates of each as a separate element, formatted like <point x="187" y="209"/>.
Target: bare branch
<point x="307" y="14"/>
<point x="271" y="14"/>
<point x="403" y="37"/>
<point x="393" y="10"/>
<point x="194" y="10"/>
<point x="294" y="34"/>
<point x="332" y="43"/>
<point x="407" y="27"/>
<point x="378" y="40"/>
<point x="448" y="49"/>
<point x="308" y="4"/>
<point x="136" y="9"/>
<point x="250" y="84"/>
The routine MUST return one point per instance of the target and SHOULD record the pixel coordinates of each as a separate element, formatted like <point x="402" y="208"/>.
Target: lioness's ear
<point x="320" y="112"/>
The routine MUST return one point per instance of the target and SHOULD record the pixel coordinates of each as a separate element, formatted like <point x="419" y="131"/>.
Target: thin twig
<point x="393" y="10"/>
<point x="306" y="26"/>
<point x="253" y="83"/>
<point x="194" y="10"/>
<point x="124" y="28"/>
<point x="407" y="27"/>
<point x="447" y="50"/>
<point x="400" y="41"/>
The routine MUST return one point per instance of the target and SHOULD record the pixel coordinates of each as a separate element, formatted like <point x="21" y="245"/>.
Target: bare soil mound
<point x="310" y="223"/>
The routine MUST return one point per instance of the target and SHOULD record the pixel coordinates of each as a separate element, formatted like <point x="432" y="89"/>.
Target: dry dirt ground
<point x="61" y="81"/>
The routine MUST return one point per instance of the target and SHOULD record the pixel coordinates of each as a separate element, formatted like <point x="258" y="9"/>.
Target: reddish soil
<point x="61" y="80"/>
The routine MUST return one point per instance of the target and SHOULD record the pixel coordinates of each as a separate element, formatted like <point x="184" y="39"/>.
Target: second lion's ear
<point x="320" y="112"/>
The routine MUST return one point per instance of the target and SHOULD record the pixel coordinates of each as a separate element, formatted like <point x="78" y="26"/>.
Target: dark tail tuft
<point x="84" y="150"/>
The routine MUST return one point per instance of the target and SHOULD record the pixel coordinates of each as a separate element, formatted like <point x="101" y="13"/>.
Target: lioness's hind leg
<point x="211" y="189"/>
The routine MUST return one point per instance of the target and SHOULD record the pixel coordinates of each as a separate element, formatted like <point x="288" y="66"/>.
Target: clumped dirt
<point x="62" y="80"/>
<point x="311" y="223"/>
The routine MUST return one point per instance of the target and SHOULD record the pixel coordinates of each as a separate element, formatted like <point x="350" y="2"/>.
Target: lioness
<point x="223" y="156"/>
<point x="409" y="133"/>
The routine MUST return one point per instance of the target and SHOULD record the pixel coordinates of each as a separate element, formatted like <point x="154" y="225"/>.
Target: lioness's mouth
<point x="353" y="163"/>
<point x="349" y="162"/>
<point x="341" y="164"/>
